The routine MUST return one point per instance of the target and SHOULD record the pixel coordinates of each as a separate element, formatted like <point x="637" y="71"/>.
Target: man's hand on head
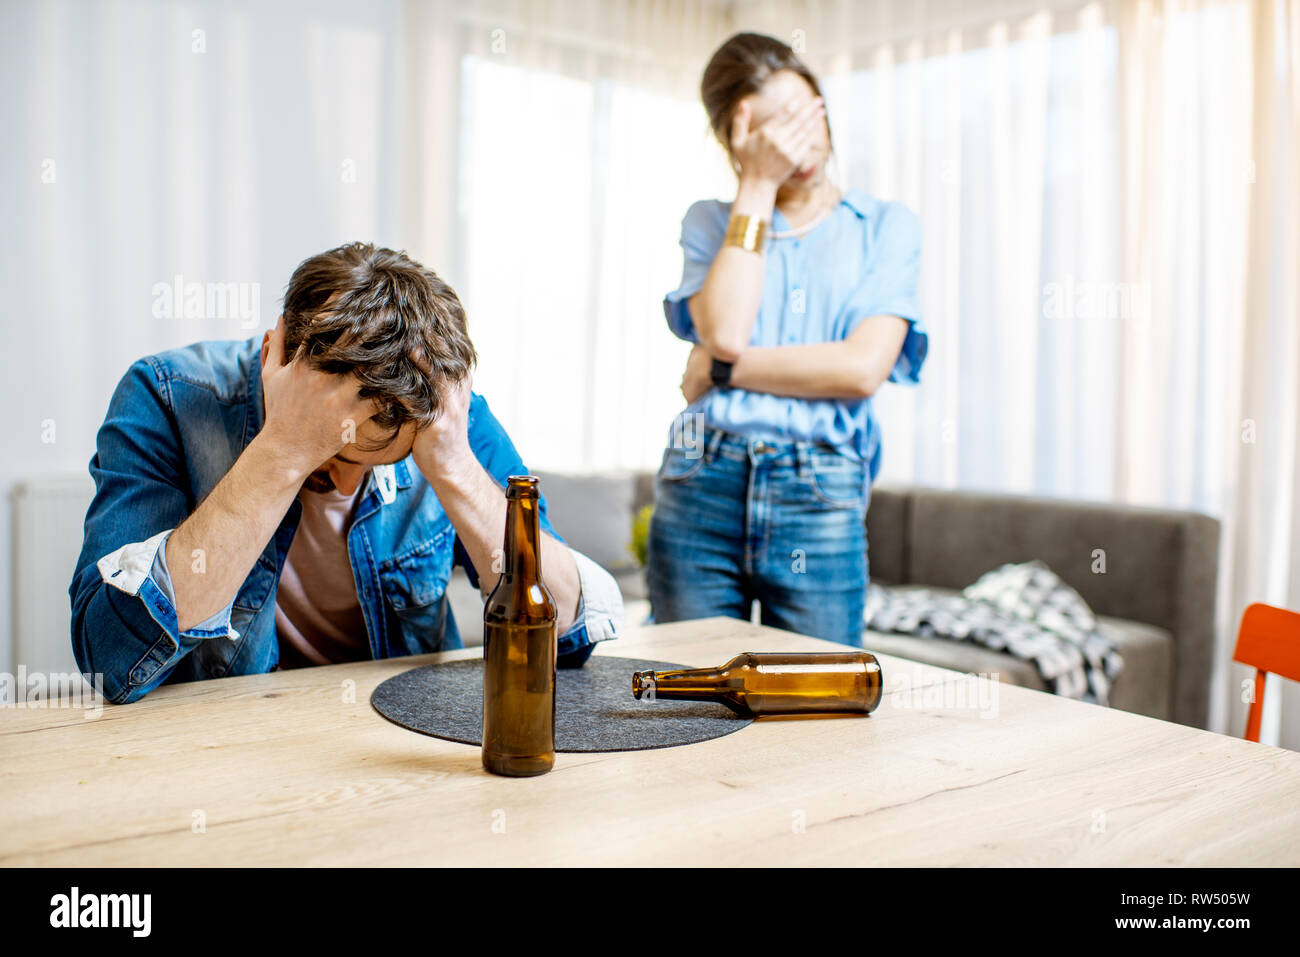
<point x="310" y="415"/>
<point x="443" y="446"/>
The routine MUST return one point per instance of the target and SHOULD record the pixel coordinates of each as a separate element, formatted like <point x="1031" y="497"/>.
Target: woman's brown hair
<point x="740" y="67"/>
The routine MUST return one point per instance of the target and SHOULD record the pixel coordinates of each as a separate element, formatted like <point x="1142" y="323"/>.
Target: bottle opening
<point x="522" y="486"/>
<point x="643" y="685"/>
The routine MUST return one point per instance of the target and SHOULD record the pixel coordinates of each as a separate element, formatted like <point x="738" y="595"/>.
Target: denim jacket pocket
<point x="414" y="585"/>
<point x="217" y="655"/>
<point x="257" y="587"/>
<point x="680" y="464"/>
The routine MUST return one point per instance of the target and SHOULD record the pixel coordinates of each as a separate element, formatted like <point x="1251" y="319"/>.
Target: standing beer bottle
<point x="519" y="648"/>
<point x="755" y="684"/>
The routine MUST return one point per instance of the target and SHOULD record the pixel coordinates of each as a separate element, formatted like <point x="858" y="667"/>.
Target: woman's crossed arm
<point x="852" y="368"/>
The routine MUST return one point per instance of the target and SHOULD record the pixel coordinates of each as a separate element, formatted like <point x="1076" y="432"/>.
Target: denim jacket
<point x="175" y="426"/>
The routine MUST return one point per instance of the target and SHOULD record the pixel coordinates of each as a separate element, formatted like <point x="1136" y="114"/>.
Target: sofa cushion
<point x="1143" y="687"/>
<point x="887" y="524"/>
<point x="593" y="514"/>
<point x="957" y="536"/>
<point x="467" y="607"/>
<point x="631" y="583"/>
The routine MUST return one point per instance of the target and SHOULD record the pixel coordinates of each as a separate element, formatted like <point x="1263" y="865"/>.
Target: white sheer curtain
<point x="564" y="275"/>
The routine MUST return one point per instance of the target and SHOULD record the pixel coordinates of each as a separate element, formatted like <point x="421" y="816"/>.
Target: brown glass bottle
<point x="519" y="648"/>
<point x="759" y="683"/>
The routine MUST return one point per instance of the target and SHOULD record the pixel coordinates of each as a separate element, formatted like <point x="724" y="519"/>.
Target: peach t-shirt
<point x="317" y="615"/>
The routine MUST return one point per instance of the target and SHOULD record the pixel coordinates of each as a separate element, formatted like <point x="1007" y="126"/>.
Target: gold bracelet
<point x="747" y="232"/>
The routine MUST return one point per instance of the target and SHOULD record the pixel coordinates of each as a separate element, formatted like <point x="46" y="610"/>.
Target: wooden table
<point x="289" y="769"/>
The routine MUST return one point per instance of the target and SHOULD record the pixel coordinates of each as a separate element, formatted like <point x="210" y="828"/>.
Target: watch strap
<point x="720" y="372"/>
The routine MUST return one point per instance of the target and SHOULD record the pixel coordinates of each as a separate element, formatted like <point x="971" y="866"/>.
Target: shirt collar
<point x="859" y="201"/>
<point x="387" y="479"/>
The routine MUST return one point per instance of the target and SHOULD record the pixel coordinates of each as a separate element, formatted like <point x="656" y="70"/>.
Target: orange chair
<point x="1268" y="640"/>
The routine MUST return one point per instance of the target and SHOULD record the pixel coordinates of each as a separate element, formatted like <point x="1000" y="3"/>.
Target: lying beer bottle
<point x="519" y="648"/>
<point x="756" y="683"/>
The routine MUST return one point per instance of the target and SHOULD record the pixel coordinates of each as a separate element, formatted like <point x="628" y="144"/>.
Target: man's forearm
<point x="476" y="505"/>
<point x="210" y="554"/>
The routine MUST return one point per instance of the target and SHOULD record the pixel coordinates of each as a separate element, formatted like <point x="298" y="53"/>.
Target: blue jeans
<point x="781" y="522"/>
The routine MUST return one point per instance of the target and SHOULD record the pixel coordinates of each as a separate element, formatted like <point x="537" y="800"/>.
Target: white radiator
<point x="47" y="521"/>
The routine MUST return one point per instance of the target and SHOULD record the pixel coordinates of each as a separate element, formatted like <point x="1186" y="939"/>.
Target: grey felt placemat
<point x="594" y="707"/>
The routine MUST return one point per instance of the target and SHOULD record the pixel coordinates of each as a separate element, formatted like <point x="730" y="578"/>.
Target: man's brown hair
<point x="384" y="312"/>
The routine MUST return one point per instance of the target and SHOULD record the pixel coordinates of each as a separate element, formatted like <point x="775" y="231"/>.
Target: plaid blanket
<point x="1023" y="610"/>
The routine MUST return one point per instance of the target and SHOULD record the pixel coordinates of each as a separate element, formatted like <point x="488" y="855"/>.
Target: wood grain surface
<point x="296" y="768"/>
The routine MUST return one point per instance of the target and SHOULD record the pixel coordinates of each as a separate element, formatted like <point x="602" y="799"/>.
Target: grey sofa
<point x="1155" y="598"/>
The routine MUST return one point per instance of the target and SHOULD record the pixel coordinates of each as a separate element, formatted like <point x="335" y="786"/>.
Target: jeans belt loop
<point x="711" y="448"/>
<point x="805" y="459"/>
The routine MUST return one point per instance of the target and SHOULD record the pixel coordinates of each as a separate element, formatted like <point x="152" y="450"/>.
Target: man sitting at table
<point x="303" y="502"/>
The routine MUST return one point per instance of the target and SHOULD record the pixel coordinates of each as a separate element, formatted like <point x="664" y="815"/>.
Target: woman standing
<point x="801" y="301"/>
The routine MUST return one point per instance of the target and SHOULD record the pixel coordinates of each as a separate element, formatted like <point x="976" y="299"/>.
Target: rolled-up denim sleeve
<point x="124" y="623"/>
<point x="600" y="612"/>
<point x="139" y="569"/>
<point x="703" y="229"/>
<point x="217" y="626"/>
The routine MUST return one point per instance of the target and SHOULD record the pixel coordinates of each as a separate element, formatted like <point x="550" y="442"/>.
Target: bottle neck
<point x="522" y="560"/>
<point x="693" y="684"/>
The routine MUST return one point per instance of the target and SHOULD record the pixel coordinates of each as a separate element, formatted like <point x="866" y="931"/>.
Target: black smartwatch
<point x="720" y="372"/>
